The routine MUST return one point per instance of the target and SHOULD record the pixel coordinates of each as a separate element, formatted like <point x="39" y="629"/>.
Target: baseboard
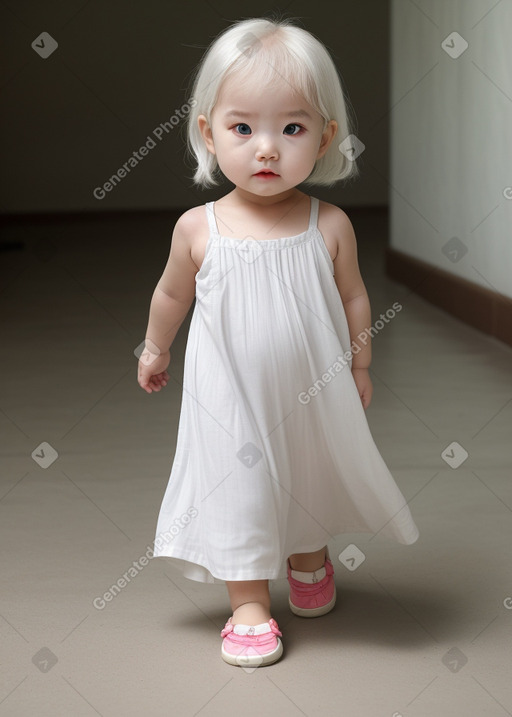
<point x="476" y="305"/>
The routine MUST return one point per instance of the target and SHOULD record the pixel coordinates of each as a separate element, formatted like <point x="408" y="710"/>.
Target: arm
<point x="170" y="303"/>
<point x="175" y="291"/>
<point x="355" y="301"/>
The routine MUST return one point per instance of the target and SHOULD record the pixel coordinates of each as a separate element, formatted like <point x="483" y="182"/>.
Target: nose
<point x="266" y="149"/>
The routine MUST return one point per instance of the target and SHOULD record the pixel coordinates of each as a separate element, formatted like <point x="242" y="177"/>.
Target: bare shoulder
<point x="336" y="228"/>
<point x="334" y="218"/>
<point x="192" y="221"/>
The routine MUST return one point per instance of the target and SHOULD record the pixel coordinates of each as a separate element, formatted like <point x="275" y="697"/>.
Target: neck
<point x="250" y="200"/>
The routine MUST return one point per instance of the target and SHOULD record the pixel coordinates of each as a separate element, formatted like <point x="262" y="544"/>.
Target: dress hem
<point x="195" y="564"/>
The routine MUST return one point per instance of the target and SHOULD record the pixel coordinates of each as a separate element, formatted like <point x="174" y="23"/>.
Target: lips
<point x="267" y="171"/>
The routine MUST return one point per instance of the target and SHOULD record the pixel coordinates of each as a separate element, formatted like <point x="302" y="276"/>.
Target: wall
<point x="451" y="138"/>
<point x="123" y="68"/>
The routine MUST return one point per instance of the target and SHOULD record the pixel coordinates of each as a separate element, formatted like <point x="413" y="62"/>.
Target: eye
<point x="243" y="129"/>
<point x="296" y="128"/>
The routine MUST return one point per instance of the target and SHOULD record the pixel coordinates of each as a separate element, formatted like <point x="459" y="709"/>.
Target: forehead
<point x="248" y="94"/>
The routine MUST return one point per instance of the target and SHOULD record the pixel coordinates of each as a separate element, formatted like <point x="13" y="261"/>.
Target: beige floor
<point x="418" y="630"/>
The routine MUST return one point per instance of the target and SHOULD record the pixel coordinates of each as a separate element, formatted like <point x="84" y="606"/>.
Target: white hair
<point x="270" y="50"/>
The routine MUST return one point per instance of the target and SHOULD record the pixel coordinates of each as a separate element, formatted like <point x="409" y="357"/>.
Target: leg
<point x="250" y="601"/>
<point x="308" y="562"/>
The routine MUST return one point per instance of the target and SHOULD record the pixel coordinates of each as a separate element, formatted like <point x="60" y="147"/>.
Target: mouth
<point x="266" y="173"/>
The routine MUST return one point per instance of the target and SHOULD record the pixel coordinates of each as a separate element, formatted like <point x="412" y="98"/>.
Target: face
<point x="266" y="142"/>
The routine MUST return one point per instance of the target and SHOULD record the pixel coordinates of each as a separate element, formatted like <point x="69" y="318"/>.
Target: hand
<point x="364" y="385"/>
<point x="151" y="373"/>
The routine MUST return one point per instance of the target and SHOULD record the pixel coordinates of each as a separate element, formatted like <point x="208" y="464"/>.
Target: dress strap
<point x="212" y="222"/>
<point x="313" y="217"/>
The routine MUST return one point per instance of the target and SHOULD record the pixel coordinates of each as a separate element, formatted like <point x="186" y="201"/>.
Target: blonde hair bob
<point x="267" y="50"/>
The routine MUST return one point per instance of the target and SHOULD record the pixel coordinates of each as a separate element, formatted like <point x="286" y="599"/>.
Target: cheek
<point x="235" y="151"/>
<point x="231" y="155"/>
<point x="313" y="147"/>
<point x="306" y="154"/>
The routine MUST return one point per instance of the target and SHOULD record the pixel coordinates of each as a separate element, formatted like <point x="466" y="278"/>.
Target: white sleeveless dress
<point x="274" y="455"/>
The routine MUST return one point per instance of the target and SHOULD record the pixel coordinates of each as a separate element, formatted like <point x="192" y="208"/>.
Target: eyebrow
<point x="292" y="113"/>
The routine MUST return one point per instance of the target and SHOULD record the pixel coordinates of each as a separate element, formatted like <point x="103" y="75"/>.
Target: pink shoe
<point x="251" y="645"/>
<point x="312" y="594"/>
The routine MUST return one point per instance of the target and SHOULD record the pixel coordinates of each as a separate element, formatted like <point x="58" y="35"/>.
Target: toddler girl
<point x="274" y="455"/>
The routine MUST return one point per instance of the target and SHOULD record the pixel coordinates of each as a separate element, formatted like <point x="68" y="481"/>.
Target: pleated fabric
<point x="274" y="454"/>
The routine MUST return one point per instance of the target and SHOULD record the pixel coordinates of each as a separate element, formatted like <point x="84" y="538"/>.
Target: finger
<point x="146" y="384"/>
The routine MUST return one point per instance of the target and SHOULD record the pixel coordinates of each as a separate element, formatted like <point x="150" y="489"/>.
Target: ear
<point x="206" y="133"/>
<point x="327" y="137"/>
